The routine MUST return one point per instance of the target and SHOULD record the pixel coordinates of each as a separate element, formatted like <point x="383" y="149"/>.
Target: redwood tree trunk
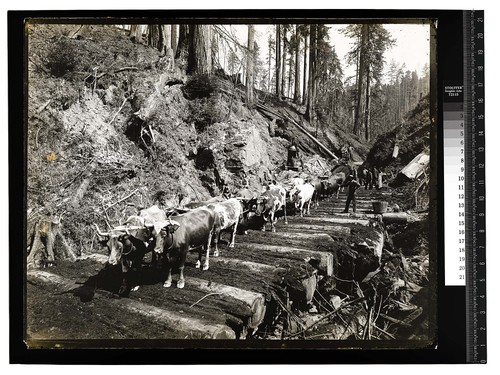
<point x="304" y="96"/>
<point x="296" y="94"/>
<point x="311" y="96"/>
<point x="250" y="67"/>
<point x="200" y="54"/>
<point x="182" y="46"/>
<point x="367" y="105"/>
<point x="278" y="61"/>
<point x="362" y="70"/>
<point x="173" y="38"/>
<point x="283" y="63"/>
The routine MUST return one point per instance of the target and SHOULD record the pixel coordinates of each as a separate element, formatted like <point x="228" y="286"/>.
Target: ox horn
<point x="102" y="234"/>
<point x="173" y="222"/>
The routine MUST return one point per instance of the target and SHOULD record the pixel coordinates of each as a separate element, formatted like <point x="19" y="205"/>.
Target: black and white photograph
<point x="211" y="183"/>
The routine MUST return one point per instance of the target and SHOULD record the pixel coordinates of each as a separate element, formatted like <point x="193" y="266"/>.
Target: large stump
<point x="48" y="244"/>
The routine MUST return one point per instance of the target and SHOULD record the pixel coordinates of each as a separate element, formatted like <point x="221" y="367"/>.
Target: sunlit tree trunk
<point x="250" y="67"/>
<point x="173" y="38"/>
<point x="278" y="61"/>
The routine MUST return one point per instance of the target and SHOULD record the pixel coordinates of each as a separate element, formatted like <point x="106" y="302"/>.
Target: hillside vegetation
<point x="114" y="126"/>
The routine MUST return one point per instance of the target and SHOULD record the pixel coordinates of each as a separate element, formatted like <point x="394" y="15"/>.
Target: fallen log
<point x="301" y="128"/>
<point x="333" y="229"/>
<point x="256" y="301"/>
<point x="176" y="322"/>
<point x="251" y="266"/>
<point x="325" y="258"/>
<point x="395" y="218"/>
<point x="336" y="220"/>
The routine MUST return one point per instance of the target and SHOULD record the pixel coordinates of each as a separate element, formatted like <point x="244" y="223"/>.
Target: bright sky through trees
<point x="412" y="45"/>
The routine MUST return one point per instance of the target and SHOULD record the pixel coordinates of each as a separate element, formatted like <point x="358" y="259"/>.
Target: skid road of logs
<point x="228" y="301"/>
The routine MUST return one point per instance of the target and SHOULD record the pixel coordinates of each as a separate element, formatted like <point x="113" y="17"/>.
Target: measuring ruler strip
<point x="475" y="288"/>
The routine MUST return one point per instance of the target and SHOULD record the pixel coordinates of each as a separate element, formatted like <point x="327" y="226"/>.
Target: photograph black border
<point x="450" y="343"/>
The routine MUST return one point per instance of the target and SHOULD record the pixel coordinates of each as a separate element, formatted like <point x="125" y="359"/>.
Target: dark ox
<point x="126" y="250"/>
<point x="318" y="189"/>
<point x="333" y="184"/>
<point x="248" y="200"/>
<point x="227" y="216"/>
<point x="269" y="202"/>
<point x="130" y="242"/>
<point x="183" y="232"/>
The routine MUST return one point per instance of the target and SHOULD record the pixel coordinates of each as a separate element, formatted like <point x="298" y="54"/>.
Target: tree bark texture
<point x="296" y="95"/>
<point x="304" y="96"/>
<point x="200" y="54"/>
<point x="358" y="119"/>
<point x="250" y="67"/>
<point x="278" y="61"/>
<point x="311" y="97"/>
<point x="283" y="62"/>
<point x="49" y="244"/>
<point x="181" y="51"/>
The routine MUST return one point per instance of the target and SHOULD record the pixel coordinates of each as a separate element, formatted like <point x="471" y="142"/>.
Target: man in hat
<point x="294" y="158"/>
<point x="352" y="186"/>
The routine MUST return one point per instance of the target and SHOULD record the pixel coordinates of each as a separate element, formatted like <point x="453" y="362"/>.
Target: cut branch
<point x="121" y="200"/>
<point x="117" y="112"/>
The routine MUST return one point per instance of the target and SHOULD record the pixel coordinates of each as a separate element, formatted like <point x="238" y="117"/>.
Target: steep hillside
<point x="114" y="126"/>
<point x="412" y="137"/>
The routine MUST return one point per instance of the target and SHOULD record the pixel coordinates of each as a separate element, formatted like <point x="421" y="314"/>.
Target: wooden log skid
<point x="256" y="301"/>
<point x="325" y="258"/>
<point x="173" y="320"/>
<point x="336" y="220"/>
<point x="336" y="229"/>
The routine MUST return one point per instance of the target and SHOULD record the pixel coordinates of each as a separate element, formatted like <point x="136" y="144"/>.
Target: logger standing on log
<point x="352" y="185"/>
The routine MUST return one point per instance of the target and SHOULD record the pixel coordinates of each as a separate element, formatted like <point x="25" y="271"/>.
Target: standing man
<point x="375" y="177"/>
<point x="368" y="179"/>
<point x="352" y="186"/>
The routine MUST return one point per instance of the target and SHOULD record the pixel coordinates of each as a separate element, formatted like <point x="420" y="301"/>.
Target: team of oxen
<point x="170" y="234"/>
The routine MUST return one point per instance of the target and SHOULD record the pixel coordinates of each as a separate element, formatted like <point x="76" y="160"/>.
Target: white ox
<point x="227" y="216"/>
<point x="302" y="196"/>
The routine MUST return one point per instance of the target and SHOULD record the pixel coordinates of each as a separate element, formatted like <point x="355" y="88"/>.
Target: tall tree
<point x="136" y="33"/>
<point x="296" y="94"/>
<point x="183" y="42"/>
<point x="173" y="38"/>
<point x="200" y="54"/>
<point x="155" y="36"/>
<point x="304" y="87"/>
<point x="284" y="30"/>
<point x="368" y="52"/>
<point x="271" y="47"/>
<point x="250" y="67"/>
<point x="278" y="61"/>
<point x="311" y="91"/>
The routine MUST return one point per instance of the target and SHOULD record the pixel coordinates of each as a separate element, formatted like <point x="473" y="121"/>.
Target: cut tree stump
<point x="49" y="244"/>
